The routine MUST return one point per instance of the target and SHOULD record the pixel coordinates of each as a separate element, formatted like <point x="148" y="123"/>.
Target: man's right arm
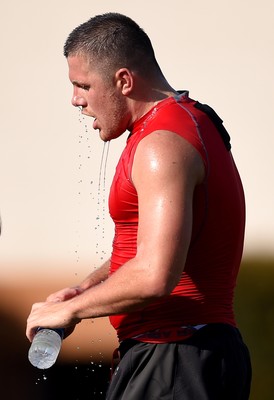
<point x="96" y="277"/>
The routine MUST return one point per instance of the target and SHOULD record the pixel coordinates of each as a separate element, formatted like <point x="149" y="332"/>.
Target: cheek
<point x="109" y="112"/>
<point x="112" y="112"/>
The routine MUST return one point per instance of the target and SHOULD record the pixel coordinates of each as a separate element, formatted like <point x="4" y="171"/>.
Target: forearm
<point x="129" y="288"/>
<point x="94" y="278"/>
<point x="55" y="313"/>
<point x="99" y="275"/>
<point x="137" y="283"/>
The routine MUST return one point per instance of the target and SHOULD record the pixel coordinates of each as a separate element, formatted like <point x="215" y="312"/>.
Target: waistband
<point x="168" y="335"/>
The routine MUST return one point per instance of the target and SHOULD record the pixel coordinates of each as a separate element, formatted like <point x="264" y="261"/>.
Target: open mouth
<point x="95" y="125"/>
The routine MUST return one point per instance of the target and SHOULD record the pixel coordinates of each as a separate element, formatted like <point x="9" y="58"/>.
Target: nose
<point x="78" y="101"/>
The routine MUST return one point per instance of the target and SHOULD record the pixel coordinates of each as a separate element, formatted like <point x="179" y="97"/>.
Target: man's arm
<point x="165" y="173"/>
<point x="99" y="275"/>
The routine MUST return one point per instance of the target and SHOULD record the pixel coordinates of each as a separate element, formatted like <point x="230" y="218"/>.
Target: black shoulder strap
<point x="217" y="121"/>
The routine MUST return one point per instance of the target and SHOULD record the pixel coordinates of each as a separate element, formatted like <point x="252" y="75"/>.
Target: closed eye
<point x="85" y="87"/>
<point x="81" y="85"/>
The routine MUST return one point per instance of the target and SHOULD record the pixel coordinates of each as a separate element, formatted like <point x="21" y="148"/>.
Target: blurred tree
<point x="255" y="315"/>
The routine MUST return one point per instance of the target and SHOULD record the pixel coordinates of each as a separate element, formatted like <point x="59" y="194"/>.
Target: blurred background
<point x="55" y="172"/>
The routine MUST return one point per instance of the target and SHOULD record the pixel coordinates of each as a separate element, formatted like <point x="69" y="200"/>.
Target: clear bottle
<point x="45" y="347"/>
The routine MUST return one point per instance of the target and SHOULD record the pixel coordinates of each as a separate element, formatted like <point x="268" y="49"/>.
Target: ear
<point x="124" y="80"/>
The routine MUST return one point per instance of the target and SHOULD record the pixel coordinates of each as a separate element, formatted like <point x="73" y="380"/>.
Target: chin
<point x="103" y="137"/>
<point x="107" y="137"/>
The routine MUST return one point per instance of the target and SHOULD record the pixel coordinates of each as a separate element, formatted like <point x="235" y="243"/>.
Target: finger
<point x="36" y="306"/>
<point x="64" y="294"/>
<point x="58" y="296"/>
<point x="31" y="331"/>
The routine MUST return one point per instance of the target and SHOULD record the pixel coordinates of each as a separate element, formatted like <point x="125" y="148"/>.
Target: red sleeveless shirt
<point x="205" y="291"/>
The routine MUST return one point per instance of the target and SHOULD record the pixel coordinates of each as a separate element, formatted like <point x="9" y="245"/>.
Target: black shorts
<point x="213" y="364"/>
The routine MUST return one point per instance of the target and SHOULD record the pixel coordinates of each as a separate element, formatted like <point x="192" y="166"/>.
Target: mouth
<point x="95" y="124"/>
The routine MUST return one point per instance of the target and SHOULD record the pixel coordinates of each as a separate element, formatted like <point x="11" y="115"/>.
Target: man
<point x="178" y="207"/>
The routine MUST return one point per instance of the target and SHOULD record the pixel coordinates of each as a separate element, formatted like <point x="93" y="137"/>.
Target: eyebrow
<point x="80" y="84"/>
<point x="76" y="83"/>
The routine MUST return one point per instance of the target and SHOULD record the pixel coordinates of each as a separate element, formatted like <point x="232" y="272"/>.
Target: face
<point x="99" y="97"/>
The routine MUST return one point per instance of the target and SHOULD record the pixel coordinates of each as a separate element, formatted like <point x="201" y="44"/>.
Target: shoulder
<point x="167" y="153"/>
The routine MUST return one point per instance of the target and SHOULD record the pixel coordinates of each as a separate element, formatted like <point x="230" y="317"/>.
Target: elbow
<point x="157" y="278"/>
<point x="156" y="288"/>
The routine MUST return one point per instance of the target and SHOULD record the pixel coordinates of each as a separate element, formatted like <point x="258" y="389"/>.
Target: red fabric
<point x="205" y="291"/>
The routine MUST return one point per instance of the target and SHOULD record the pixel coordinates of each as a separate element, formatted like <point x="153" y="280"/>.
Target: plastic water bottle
<point x="45" y="347"/>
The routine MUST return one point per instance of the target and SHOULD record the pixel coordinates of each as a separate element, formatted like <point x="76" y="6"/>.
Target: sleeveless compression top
<point x="205" y="291"/>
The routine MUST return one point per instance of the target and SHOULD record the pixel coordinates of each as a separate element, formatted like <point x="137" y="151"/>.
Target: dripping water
<point x="97" y="194"/>
<point x="84" y="156"/>
<point x="101" y="202"/>
<point x="84" y="168"/>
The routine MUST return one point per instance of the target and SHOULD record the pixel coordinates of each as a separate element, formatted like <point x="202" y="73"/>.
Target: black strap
<point x="217" y="121"/>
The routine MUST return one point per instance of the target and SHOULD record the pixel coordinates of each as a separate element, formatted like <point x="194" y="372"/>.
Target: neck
<point x="147" y="96"/>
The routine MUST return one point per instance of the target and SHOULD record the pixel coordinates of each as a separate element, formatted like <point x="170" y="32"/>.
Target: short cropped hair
<point x="115" y="41"/>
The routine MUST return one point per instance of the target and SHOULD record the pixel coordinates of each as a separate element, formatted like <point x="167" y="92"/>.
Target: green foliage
<point x="254" y="305"/>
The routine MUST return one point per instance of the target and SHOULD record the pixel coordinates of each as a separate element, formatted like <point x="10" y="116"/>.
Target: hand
<point x="51" y="315"/>
<point x="65" y="294"/>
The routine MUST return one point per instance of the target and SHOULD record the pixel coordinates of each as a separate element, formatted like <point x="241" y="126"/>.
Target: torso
<point x="204" y="293"/>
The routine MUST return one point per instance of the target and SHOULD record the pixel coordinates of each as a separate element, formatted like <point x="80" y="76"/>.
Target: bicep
<point x="166" y="170"/>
